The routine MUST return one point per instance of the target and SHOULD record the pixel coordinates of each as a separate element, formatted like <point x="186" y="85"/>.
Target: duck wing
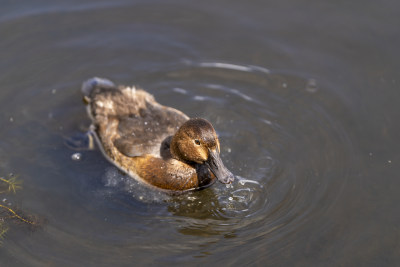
<point x="143" y="132"/>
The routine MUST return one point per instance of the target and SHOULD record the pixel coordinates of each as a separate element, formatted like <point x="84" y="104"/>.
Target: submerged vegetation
<point x="12" y="183"/>
<point x="7" y="212"/>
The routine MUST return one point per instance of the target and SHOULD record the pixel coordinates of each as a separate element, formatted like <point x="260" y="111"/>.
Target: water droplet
<point x="11" y="119"/>
<point x="53" y="91"/>
<point x="284" y="85"/>
<point x="76" y="156"/>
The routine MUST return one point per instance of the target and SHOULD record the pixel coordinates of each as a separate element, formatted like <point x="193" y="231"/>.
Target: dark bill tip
<point x="216" y="166"/>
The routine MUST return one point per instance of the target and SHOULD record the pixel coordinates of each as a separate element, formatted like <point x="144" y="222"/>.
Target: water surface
<point x="304" y="96"/>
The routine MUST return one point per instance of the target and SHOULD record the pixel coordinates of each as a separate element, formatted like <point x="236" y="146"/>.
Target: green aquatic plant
<point x="3" y="230"/>
<point x="11" y="187"/>
<point x="7" y="213"/>
<point x="12" y="183"/>
<point x="13" y="214"/>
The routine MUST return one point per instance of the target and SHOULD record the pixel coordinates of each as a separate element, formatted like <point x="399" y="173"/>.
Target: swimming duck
<point x="157" y="145"/>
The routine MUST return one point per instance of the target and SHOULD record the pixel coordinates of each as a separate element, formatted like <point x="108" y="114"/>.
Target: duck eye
<point x="197" y="142"/>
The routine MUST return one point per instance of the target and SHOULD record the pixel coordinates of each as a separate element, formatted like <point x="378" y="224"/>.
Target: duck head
<point x="196" y="142"/>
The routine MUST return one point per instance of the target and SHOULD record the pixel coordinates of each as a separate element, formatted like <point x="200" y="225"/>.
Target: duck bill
<point x="216" y="166"/>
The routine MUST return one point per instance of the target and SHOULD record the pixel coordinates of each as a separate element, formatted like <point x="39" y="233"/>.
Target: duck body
<point x="157" y="145"/>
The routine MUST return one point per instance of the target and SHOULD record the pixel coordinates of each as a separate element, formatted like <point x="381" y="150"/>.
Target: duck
<point x="157" y="145"/>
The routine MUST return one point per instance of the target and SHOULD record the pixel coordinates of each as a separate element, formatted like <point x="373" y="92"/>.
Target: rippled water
<point x="303" y="96"/>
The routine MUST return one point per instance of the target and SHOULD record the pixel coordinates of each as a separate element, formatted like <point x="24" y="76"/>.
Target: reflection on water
<point x="293" y="122"/>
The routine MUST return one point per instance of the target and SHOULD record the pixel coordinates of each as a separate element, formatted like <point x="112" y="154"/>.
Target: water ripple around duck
<point x="280" y="138"/>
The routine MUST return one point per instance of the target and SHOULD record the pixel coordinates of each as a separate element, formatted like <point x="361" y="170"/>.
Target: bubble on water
<point x="76" y="156"/>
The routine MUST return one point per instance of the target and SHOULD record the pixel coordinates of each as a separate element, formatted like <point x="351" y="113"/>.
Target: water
<point x="304" y="97"/>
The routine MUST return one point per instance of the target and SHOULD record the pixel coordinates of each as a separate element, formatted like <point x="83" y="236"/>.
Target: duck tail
<point x="89" y="85"/>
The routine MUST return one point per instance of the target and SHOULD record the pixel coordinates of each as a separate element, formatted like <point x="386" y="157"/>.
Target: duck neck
<point x="176" y="153"/>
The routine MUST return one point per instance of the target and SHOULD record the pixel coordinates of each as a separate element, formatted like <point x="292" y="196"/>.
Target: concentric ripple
<point x="278" y="136"/>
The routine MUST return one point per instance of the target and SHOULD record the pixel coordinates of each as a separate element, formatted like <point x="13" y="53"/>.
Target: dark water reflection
<point x="304" y="99"/>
